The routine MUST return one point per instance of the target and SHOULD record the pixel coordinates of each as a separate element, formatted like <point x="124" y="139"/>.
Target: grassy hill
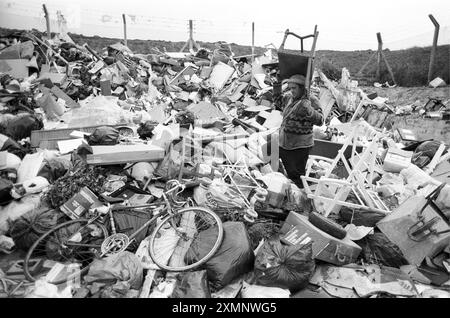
<point x="410" y="67"/>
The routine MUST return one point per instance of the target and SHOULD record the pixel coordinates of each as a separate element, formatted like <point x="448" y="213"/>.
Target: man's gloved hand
<point x="305" y="110"/>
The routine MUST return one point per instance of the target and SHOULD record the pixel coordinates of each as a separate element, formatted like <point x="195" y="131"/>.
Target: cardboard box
<point x="105" y="86"/>
<point x="80" y="203"/>
<point x="17" y="68"/>
<point x="406" y="134"/>
<point x="325" y="247"/>
<point x="409" y="232"/>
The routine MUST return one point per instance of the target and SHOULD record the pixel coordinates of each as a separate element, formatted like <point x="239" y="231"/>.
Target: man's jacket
<point x="299" y="116"/>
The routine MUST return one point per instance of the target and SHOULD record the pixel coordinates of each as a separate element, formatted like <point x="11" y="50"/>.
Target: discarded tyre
<point x="327" y="225"/>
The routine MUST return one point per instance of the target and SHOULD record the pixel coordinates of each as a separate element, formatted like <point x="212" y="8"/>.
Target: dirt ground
<point x="402" y="96"/>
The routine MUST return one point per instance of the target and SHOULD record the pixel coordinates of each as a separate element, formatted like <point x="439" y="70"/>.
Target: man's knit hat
<point x="297" y="79"/>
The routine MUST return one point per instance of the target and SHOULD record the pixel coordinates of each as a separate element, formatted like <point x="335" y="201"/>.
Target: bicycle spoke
<point x="187" y="223"/>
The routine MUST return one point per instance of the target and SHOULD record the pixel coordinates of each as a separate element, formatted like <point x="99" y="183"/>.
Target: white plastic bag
<point x="255" y="291"/>
<point x="42" y="289"/>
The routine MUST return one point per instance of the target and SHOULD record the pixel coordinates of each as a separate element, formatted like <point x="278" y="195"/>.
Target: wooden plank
<point x="433" y="48"/>
<point x="222" y="137"/>
<point x="119" y="154"/>
<point x="188" y="225"/>
<point x="388" y="67"/>
<point x="148" y="282"/>
<point x="179" y="78"/>
<point x="147" y="263"/>
<point x="166" y="243"/>
<point x="60" y="93"/>
<point x="432" y="165"/>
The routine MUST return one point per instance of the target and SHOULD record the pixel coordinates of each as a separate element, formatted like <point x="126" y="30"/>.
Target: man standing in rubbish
<point x="300" y="113"/>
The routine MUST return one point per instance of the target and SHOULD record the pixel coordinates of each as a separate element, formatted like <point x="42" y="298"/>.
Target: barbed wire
<point x="206" y="28"/>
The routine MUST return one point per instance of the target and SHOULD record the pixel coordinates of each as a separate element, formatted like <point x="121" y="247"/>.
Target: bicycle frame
<point x="167" y="210"/>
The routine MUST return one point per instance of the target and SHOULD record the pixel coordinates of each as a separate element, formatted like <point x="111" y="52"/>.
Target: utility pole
<point x="124" y="29"/>
<point x="433" y="49"/>
<point x="47" y="21"/>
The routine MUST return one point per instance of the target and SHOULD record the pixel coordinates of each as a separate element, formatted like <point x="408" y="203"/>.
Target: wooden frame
<point x="358" y="181"/>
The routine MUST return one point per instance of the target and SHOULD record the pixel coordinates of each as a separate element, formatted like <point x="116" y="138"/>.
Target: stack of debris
<point x="103" y="136"/>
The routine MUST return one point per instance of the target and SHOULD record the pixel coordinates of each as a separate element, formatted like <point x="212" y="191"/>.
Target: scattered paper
<point x="356" y="233"/>
<point x="66" y="146"/>
<point x="220" y="75"/>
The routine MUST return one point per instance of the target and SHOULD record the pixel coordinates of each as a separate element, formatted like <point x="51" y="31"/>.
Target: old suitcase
<point x="325" y="247"/>
<point x="418" y="227"/>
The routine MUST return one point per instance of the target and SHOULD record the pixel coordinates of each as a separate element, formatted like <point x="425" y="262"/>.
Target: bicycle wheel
<point x="172" y="241"/>
<point x="72" y="242"/>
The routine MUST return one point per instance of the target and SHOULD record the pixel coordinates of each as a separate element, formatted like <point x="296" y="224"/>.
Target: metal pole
<point x="388" y="67"/>
<point x="253" y="42"/>
<point x="47" y="21"/>
<point x="124" y="29"/>
<point x="380" y="49"/>
<point x="191" y="36"/>
<point x="311" y="62"/>
<point x="433" y="49"/>
<point x="284" y="39"/>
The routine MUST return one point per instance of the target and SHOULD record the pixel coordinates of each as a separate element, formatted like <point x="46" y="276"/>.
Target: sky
<point x="342" y="25"/>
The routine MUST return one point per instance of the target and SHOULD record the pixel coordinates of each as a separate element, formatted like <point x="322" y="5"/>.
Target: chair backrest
<point x="292" y="63"/>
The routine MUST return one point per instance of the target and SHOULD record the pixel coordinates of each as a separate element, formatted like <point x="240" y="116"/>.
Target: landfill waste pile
<point x="127" y="175"/>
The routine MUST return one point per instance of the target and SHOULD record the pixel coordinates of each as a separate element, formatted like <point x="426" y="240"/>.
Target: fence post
<point x="47" y="21"/>
<point x="380" y="49"/>
<point x="253" y="42"/>
<point x="190" y="41"/>
<point x="124" y="29"/>
<point x="433" y="49"/>
<point x="191" y="35"/>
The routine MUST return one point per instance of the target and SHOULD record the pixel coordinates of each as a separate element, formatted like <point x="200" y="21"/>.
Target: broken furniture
<point x="325" y="247"/>
<point x="418" y="227"/>
<point x="301" y="63"/>
<point x="332" y="193"/>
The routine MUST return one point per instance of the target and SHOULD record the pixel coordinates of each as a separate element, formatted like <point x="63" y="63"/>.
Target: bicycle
<point x="81" y="241"/>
